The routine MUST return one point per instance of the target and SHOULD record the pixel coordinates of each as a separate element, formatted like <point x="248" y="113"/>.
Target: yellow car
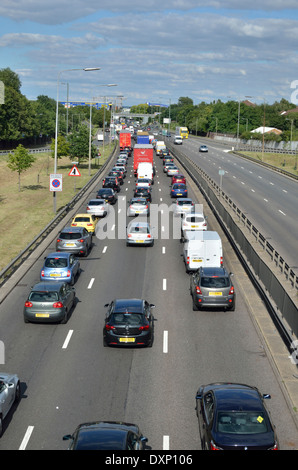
<point x="88" y="221"/>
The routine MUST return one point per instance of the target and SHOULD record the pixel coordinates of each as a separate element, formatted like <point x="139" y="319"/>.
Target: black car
<point x="234" y="417"/>
<point x="106" y="435"/>
<point x="111" y="182"/>
<point x="212" y="288"/>
<point x="117" y="175"/>
<point x="108" y="194"/>
<point x="128" y="322"/>
<point x="143" y="192"/>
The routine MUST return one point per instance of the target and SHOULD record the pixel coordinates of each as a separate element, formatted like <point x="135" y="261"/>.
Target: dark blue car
<point x="179" y="190"/>
<point x="234" y="417"/>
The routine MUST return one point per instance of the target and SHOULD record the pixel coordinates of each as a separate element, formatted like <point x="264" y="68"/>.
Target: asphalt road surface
<point x="68" y="377"/>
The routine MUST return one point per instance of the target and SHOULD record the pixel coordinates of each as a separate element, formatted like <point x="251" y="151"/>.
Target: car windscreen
<point x="244" y="422"/>
<point x="56" y="263"/>
<point x="43" y="296"/>
<point x="215" y="282"/>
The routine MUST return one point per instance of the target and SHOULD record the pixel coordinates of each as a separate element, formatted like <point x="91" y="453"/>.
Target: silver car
<point x="172" y="170"/>
<point x="184" y="205"/>
<point x="10" y="393"/>
<point x="138" y="205"/>
<point x="98" y="207"/>
<point x="139" y="233"/>
<point x="74" y="240"/>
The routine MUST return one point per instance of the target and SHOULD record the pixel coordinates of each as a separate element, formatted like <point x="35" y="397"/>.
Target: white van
<point x="202" y="249"/>
<point x="178" y="140"/>
<point x="145" y="170"/>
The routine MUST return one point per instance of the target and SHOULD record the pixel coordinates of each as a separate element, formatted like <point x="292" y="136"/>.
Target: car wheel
<point x="194" y="306"/>
<point x="232" y="309"/>
<point x="1" y="426"/>
<point x="65" y="318"/>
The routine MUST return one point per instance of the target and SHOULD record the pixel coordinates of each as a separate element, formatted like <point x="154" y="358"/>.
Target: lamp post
<point x="86" y="69"/>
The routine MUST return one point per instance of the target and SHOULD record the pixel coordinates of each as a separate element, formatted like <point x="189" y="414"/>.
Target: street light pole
<point x="86" y="69"/>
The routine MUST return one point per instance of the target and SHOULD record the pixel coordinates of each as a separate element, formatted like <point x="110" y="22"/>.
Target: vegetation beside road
<point x="24" y="214"/>
<point x="284" y="161"/>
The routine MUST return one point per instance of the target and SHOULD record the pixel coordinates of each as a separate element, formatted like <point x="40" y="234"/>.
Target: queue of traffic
<point x="130" y="322"/>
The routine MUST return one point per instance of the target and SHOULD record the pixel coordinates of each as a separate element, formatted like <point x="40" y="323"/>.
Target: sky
<point x="155" y="51"/>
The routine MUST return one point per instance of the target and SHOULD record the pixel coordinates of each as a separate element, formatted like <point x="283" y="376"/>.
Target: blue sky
<point x="154" y="51"/>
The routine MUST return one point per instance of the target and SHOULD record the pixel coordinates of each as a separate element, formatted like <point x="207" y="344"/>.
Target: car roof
<point x="72" y="229"/>
<point x="183" y="199"/>
<point x="83" y="214"/>
<point x="104" y="190"/>
<point x="138" y="224"/>
<point x="48" y="286"/>
<point x="59" y="254"/>
<point x="213" y="271"/>
<point x="128" y="304"/>
<point x="237" y="397"/>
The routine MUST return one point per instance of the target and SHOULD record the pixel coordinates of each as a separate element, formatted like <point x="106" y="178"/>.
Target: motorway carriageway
<point x="68" y="377"/>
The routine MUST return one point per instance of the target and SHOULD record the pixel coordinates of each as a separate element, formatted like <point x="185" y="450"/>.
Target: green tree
<point x="79" y="144"/>
<point x="62" y="146"/>
<point x="20" y="160"/>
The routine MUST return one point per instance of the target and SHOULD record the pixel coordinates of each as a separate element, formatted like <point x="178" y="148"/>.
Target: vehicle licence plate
<point x="211" y="294"/>
<point x="139" y="241"/>
<point x="55" y="275"/>
<point x="127" y="340"/>
<point x="193" y="226"/>
<point x="197" y="260"/>
<point x="179" y="194"/>
<point x="44" y="315"/>
<point x="70" y="244"/>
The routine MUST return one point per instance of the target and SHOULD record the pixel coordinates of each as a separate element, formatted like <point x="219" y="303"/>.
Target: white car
<point x="178" y="140"/>
<point x="139" y="233"/>
<point x="98" y="207"/>
<point x="193" y="221"/>
<point x="172" y="170"/>
<point x="138" y="205"/>
<point x="10" y="393"/>
<point x="143" y="183"/>
<point x="184" y="205"/>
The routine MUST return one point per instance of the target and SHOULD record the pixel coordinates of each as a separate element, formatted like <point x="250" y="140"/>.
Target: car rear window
<point x="248" y="422"/>
<point x="139" y="230"/>
<point x="183" y="203"/>
<point x="82" y="219"/>
<point x="70" y="235"/>
<point x="195" y="219"/>
<point x="56" y="263"/>
<point x="43" y="296"/>
<point x="215" y="282"/>
<point x="128" y="318"/>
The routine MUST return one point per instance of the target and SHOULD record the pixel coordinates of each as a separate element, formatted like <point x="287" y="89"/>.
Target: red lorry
<point x="142" y="153"/>
<point x="125" y="140"/>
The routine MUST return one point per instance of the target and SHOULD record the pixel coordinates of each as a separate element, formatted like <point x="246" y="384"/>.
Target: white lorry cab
<point x="202" y="249"/>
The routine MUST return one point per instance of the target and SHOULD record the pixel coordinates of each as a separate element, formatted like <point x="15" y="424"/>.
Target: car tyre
<point x="194" y="306"/>
<point x="18" y="393"/>
<point x="65" y="318"/>
<point x="1" y="426"/>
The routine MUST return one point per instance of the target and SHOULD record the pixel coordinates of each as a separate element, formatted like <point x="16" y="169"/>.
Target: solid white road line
<point x="104" y="249"/>
<point x="67" y="339"/>
<point x="165" y="342"/>
<point x="90" y="283"/>
<point x="166" y="443"/>
<point x="164" y="284"/>
<point x="26" y="438"/>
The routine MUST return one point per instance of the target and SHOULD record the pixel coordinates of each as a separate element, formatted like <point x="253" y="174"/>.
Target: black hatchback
<point x="234" y="417"/>
<point x="128" y="322"/>
<point x="108" y="194"/>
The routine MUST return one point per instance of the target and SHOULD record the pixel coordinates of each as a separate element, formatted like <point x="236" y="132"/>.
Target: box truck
<point x="142" y="153"/>
<point x="125" y="140"/>
<point x="202" y="248"/>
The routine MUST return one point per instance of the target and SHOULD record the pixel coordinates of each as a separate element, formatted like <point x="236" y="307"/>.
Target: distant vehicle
<point x="137" y="206"/>
<point x="234" y="417"/>
<point x="179" y="190"/>
<point x="10" y="393"/>
<point x="212" y="288"/>
<point x="111" y="182"/>
<point x="203" y="148"/>
<point x="49" y="302"/>
<point x="178" y="178"/>
<point x="139" y="233"/>
<point x="59" y="266"/>
<point x="108" y="194"/>
<point x="98" y="207"/>
<point x="88" y="221"/>
<point x="184" y="205"/>
<point x="143" y="192"/>
<point x="106" y="435"/>
<point x="172" y="170"/>
<point x="193" y="221"/>
<point x="74" y="240"/>
<point x="143" y="182"/>
<point x="178" y="140"/>
<point x="129" y="322"/>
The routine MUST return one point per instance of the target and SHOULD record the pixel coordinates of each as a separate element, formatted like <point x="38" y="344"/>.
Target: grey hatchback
<point x="212" y="288"/>
<point x="75" y="240"/>
<point x="49" y="302"/>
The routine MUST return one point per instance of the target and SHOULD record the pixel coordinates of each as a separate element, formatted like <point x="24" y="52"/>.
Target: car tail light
<point x="221" y="261"/>
<point x="187" y="260"/>
<point x="28" y="304"/>
<point x="144" y="328"/>
<point x="42" y="273"/>
<point x="129" y="235"/>
<point x="231" y="291"/>
<point x="73" y="224"/>
<point x="58" y="240"/>
<point x="89" y="225"/>
<point x="68" y="273"/>
<point x="214" y="447"/>
<point x="81" y="240"/>
<point x="109" y="327"/>
<point x="275" y="447"/>
<point x="198" y="290"/>
<point x="146" y="207"/>
<point x="88" y="208"/>
<point x="58" y="305"/>
<point x="148" y="236"/>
